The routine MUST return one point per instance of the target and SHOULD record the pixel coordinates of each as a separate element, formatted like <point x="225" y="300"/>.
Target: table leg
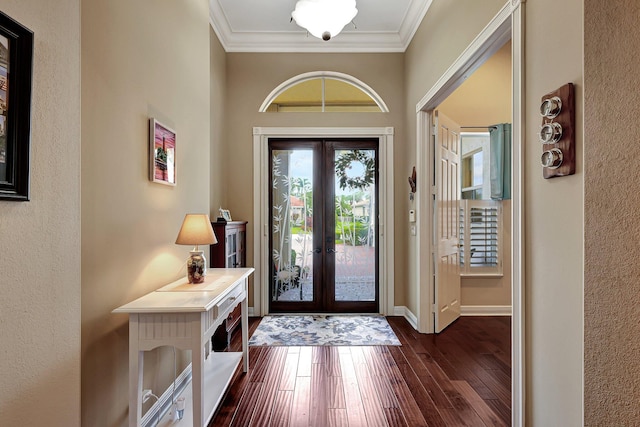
<point x="197" y="380"/>
<point x="245" y="333"/>
<point x="136" y="362"/>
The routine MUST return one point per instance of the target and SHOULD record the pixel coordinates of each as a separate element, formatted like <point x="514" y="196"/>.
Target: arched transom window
<point x="323" y="91"/>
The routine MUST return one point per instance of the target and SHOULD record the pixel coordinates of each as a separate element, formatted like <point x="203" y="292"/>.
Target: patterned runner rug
<point x="320" y="330"/>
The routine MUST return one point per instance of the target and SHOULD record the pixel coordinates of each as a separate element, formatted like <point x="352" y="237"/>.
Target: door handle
<point x="331" y="251"/>
<point x="317" y="250"/>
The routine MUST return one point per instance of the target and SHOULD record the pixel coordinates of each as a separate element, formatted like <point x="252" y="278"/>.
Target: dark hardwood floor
<point x="461" y="377"/>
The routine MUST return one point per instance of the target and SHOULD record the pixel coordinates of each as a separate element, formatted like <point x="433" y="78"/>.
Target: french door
<point x="323" y="204"/>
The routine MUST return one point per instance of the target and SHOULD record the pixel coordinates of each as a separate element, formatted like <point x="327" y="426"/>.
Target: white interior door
<point x="446" y="218"/>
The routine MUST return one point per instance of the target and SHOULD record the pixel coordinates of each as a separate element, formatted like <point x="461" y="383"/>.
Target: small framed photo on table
<point x="162" y="153"/>
<point x="224" y="214"/>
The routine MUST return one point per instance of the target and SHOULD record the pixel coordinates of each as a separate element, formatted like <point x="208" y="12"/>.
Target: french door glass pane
<point x="355" y="255"/>
<point x="292" y="221"/>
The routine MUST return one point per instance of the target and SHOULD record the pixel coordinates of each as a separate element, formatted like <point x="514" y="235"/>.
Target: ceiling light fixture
<point x="324" y="18"/>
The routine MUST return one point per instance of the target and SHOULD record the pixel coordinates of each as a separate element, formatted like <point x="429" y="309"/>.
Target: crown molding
<point x="351" y="41"/>
<point x="414" y="16"/>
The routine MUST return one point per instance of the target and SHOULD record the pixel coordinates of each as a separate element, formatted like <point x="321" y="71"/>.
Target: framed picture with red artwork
<point x="162" y="153"/>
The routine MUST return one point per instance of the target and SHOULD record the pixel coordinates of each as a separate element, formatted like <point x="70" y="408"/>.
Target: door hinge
<point x="433" y="308"/>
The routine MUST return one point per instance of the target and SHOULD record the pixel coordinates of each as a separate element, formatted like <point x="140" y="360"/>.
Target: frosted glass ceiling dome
<point x="324" y="18"/>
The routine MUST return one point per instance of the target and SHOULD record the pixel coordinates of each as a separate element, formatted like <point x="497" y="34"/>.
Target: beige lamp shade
<point x="196" y="230"/>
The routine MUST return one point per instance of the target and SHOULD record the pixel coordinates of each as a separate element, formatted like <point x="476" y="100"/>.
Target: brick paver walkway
<point x="355" y="276"/>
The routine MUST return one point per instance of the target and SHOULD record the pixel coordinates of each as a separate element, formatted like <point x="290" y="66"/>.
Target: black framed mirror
<point x="16" y="68"/>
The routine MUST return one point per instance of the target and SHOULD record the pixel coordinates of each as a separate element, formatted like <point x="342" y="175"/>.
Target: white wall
<point x="40" y="239"/>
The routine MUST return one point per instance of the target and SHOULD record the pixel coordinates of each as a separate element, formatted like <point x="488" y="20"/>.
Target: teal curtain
<point x="500" y="162"/>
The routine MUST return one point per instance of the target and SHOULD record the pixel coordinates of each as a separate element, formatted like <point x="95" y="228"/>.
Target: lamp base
<point x="196" y="267"/>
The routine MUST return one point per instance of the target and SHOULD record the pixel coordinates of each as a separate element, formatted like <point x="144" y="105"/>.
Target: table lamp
<point x="196" y="230"/>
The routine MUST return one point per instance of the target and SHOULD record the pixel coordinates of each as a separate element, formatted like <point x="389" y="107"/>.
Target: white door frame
<point x="261" y="212"/>
<point x="507" y="24"/>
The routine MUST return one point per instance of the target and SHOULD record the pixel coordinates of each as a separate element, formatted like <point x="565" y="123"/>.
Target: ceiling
<point x="265" y="26"/>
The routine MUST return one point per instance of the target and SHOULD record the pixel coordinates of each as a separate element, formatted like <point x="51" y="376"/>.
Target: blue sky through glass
<point x="301" y="166"/>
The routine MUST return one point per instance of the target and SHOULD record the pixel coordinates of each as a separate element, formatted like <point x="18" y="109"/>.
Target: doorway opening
<point x="472" y="202"/>
<point x="380" y="232"/>
<point x="323" y="230"/>
<point x="506" y="25"/>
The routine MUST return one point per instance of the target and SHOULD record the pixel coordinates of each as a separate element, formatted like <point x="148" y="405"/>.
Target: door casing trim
<point x="261" y="137"/>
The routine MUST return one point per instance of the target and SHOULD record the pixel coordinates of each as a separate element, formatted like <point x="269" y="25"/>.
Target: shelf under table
<point x="219" y="369"/>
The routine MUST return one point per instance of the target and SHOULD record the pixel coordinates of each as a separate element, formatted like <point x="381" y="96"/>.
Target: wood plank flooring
<point x="461" y="377"/>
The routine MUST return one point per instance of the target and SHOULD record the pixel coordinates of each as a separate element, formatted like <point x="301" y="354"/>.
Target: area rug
<point x="321" y="330"/>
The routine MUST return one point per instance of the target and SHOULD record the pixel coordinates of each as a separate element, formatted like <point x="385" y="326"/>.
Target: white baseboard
<point x="485" y="310"/>
<point x="407" y="314"/>
<point x="251" y="312"/>
<point x="465" y="310"/>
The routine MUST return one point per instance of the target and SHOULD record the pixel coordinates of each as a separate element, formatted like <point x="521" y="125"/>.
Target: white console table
<point x="186" y="316"/>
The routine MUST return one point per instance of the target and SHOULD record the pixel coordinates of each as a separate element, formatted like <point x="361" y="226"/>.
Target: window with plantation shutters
<point x="480" y="237"/>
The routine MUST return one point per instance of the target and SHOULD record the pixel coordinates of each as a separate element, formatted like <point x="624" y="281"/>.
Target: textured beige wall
<point x="40" y="239"/>
<point x="446" y="31"/>
<point x="553" y="225"/>
<point x="612" y="213"/>
<point x="141" y="59"/>
<point x="250" y="79"/>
